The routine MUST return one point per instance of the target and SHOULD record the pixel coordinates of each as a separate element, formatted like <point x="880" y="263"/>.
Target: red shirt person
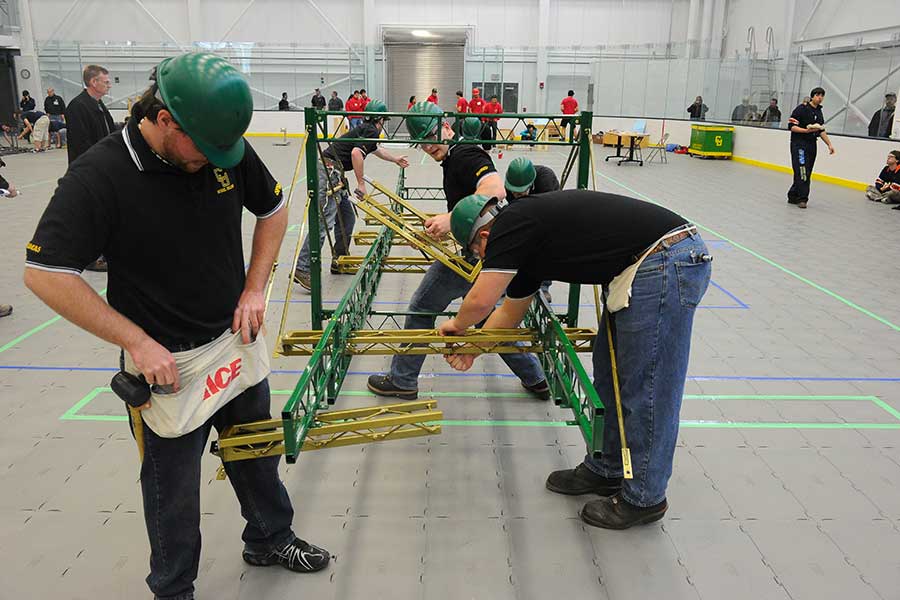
<point x="433" y="97"/>
<point x="493" y="108"/>
<point x="569" y="104"/>
<point x="462" y="105"/>
<point x="477" y="103"/>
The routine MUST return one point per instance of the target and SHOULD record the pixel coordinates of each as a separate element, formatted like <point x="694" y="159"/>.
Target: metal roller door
<point x="413" y="69"/>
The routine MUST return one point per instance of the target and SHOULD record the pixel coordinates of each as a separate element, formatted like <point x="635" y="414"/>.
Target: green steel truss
<point x="320" y="383"/>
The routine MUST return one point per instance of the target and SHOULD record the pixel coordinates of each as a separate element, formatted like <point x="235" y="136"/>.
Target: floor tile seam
<point x="851" y="482"/>
<point x="769" y="564"/>
<point x="712" y="482"/>
<point x="791" y="492"/>
<point x="681" y="562"/>
<point x="849" y="561"/>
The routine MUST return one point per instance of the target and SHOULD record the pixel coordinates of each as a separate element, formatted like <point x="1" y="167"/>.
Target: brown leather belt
<point x="672" y="240"/>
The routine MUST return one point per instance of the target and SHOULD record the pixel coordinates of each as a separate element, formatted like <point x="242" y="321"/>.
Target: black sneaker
<point x="540" y="389"/>
<point x="581" y="480"/>
<point x="616" y="513"/>
<point x="302" y="277"/>
<point x="335" y="269"/>
<point x="5" y="310"/>
<point x="98" y="266"/>
<point x="896" y="207"/>
<point x="298" y="556"/>
<point x="383" y="386"/>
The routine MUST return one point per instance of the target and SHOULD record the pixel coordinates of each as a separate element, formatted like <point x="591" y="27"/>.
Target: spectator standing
<point x="283" y="104"/>
<point x="363" y="100"/>
<point x="887" y="184"/>
<point x="882" y="122"/>
<point x="490" y="124"/>
<point x="354" y="104"/>
<point x="335" y="103"/>
<point x="88" y="121"/>
<point x="27" y="102"/>
<point x="772" y="114"/>
<point x="318" y="100"/>
<point x="477" y="103"/>
<point x="433" y="98"/>
<point x="55" y="107"/>
<point x="807" y="125"/>
<point x="462" y="105"/>
<point x="742" y="111"/>
<point x="698" y="110"/>
<point x="568" y="106"/>
<point x="412" y="101"/>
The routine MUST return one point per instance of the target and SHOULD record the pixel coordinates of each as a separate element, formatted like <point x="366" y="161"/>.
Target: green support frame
<point x="321" y="380"/>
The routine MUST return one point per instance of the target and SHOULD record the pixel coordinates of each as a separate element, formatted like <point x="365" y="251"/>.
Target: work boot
<point x="302" y="277"/>
<point x="297" y="555"/>
<point x="336" y="269"/>
<point x="616" y="513"/>
<point x="581" y="480"/>
<point x="383" y="386"/>
<point x="5" y="310"/>
<point x="98" y="265"/>
<point x="539" y="389"/>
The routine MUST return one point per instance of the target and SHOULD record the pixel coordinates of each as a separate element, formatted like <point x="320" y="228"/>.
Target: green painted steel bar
<point x="312" y="193"/>
<point x="321" y="380"/>
<point x="570" y="385"/>
<point x="584" y="172"/>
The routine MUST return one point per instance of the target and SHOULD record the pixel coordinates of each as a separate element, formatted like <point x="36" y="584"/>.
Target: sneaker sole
<point x="271" y="561"/>
<point x="566" y="492"/>
<point x="411" y="395"/>
<point x="644" y="520"/>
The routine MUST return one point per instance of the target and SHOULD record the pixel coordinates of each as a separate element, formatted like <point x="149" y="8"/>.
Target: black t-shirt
<point x="575" y="236"/>
<point x="342" y="152"/>
<point x="172" y="239"/>
<point x="54" y="105"/>
<point x="464" y="166"/>
<point x="804" y="116"/>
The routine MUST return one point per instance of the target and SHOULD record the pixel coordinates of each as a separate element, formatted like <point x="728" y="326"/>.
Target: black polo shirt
<point x="172" y="239"/>
<point x="804" y="116"/>
<point x="342" y="152"/>
<point x="464" y="166"/>
<point x="575" y="236"/>
<point x="54" y="105"/>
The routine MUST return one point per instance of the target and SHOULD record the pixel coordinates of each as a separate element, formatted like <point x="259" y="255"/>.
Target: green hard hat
<point x="376" y="106"/>
<point x="520" y="175"/>
<point x="420" y="127"/>
<point x="211" y="101"/>
<point x="471" y="128"/>
<point x="466" y="217"/>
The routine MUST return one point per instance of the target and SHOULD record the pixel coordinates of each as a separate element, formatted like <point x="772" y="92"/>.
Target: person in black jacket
<point x="284" y="103"/>
<point x="27" y="102"/>
<point x="882" y="122"/>
<point x="698" y="110"/>
<point x="318" y="100"/>
<point x="87" y="118"/>
<point x="335" y="103"/>
<point x="88" y="121"/>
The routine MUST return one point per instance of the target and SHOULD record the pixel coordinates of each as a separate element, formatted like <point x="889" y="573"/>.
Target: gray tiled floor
<point x="787" y="474"/>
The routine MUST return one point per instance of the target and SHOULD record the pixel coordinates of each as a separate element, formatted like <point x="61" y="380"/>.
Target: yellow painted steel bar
<point x="428" y="341"/>
<point x="333" y="429"/>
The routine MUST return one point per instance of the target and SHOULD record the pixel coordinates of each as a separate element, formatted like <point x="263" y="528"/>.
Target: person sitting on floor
<point x="887" y="184"/>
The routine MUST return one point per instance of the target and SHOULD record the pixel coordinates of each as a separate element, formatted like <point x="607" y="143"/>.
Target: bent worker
<point x="335" y="208"/>
<point x="654" y="268"/>
<point x="162" y="200"/>
<point x="523" y="178"/>
<point x="467" y="170"/>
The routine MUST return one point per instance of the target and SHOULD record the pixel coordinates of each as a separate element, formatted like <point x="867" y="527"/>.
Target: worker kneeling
<point x="654" y="269"/>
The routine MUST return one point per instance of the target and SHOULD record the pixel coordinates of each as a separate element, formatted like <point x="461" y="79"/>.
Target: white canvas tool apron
<point x="211" y="376"/>
<point x="619" y="295"/>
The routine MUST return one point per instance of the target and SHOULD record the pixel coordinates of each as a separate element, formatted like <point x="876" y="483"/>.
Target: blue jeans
<point x="652" y="340"/>
<point x="170" y="483"/>
<point x="438" y="289"/>
<point x="339" y="216"/>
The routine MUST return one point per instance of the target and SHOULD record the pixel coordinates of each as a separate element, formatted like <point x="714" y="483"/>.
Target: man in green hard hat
<point x="162" y="200"/>
<point x="467" y="170"/>
<point x="339" y="159"/>
<point x="523" y="178"/>
<point x="654" y="269"/>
